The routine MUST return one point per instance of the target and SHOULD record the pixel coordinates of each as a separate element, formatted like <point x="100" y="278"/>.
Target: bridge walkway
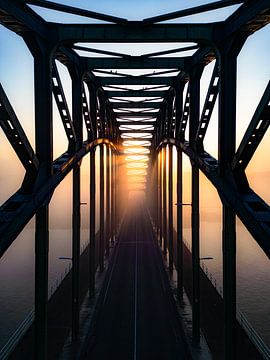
<point x="136" y="317"/>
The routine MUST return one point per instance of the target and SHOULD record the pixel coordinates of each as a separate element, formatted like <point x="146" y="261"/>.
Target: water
<point x="17" y="265"/>
<point x="253" y="266"/>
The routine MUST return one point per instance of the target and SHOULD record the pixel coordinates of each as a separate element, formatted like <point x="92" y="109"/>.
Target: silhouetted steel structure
<point x="98" y="99"/>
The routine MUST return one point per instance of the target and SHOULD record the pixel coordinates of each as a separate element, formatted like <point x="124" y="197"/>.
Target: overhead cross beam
<point x="136" y="114"/>
<point x="133" y="32"/>
<point x="134" y="62"/>
<point x="76" y="11"/>
<point x="98" y="51"/>
<point x="138" y="93"/>
<point x="139" y="105"/>
<point x="191" y="11"/>
<point x="143" y="123"/>
<point x="160" y="80"/>
<point x="170" y="51"/>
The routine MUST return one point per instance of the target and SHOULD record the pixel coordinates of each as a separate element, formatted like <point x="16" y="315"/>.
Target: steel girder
<point x="133" y="31"/>
<point x="134" y="63"/>
<point x="224" y="173"/>
<point x="251" y="209"/>
<point x="136" y="80"/>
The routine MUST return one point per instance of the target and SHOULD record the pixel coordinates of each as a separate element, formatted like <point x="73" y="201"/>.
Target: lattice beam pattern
<point x="16" y="135"/>
<point x="249" y="207"/>
<point x="86" y="115"/>
<point x="62" y="106"/>
<point x="208" y="108"/>
<point x="185" y="115"/>
<point x="254" y="133"/>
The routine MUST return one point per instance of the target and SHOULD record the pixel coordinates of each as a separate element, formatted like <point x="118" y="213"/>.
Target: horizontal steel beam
<point x="133" y="32"/>
<point x="136" y="131"/>
<point x="139" y="105"/>
<point x="136" y="115"/>
<point x="137" y="139"/>
<point x="161" y="80"/>
<point x="143" y="93"/>
<point x="153" y="123"/>
<point x="134" y="63"/>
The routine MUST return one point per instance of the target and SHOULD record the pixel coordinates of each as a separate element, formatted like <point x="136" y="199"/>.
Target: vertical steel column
<point x="108" y="203"/>
<point x="160" y="197"/>
<point x="113" y="197"/>
<point x="101" y="212"/>
<point x="151" y="186"/>
<point x="180" y="263"/>
<point x="164" y="215"/>
<point x="92" y="230"/>
<point x="170" y="209"/>
<point x="195" y="221"/>
<point x="195" y="217"/>
<point x="179" y="189"/>
<point x="117" y="198"/>
<point x="76" y="219"/>
<point x="41" y="282"/>
<point x="76" y="215"/>
<point x="156" y="191"/>
<point x="44" y="146"/>
<point x="227" y="136"/>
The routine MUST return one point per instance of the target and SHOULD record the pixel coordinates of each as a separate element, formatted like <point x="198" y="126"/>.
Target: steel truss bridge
<point x="166" y="104"/>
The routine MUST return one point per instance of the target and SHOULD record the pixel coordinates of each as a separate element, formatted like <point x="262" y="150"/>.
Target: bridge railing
<point x="16" y="336"/>
<point x="21" y="330"/>
<point x="242" y="320"/>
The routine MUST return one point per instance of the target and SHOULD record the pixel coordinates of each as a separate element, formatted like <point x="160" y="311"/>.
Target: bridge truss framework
<point x="99" y="102"/>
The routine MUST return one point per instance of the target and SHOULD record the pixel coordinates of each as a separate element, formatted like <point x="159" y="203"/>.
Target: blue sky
<point x="136" y="10"/>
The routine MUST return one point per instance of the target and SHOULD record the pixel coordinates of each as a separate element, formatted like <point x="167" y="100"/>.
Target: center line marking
<point x="136" y="290"/>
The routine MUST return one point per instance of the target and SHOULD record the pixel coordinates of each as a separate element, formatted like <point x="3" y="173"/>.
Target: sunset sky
<point x="16" y="76"/>
<point x="17" y="79"/>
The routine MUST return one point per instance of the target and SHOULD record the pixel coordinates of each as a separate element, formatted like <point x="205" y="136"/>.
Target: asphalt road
<point x="136" y="318"/>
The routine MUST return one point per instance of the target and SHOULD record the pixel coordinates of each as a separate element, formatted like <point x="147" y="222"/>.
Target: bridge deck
<point x="136" y="318"/>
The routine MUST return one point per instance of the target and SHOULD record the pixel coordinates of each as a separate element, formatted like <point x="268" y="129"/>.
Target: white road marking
<point x="136" y="293"/>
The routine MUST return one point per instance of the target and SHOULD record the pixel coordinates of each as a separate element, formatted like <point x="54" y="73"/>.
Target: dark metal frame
<point x="49" y="42"/>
